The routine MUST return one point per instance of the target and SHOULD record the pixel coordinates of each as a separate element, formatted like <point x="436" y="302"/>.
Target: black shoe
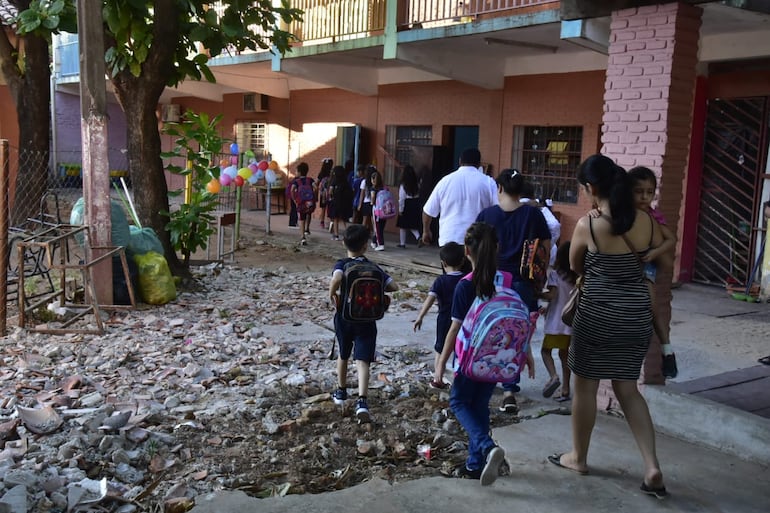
<point x="464" y="472"/>
<point x="491" y="470"/>
<point x="509" y="404"/>
<point x="362" y="411"/>
<point x="339" y="396"/>
<point x="669" y="366"/>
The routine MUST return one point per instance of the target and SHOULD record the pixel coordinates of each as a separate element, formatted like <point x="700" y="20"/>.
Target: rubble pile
<point x="205" y="394"/>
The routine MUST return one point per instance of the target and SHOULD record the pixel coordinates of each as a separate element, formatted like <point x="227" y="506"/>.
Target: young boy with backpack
<point x="357" y="289"/>
<point x="303" y="195"/>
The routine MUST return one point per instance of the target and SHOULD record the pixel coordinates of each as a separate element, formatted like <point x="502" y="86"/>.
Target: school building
<point x="681" y="87"/>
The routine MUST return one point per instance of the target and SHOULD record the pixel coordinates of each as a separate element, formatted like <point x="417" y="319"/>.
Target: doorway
<point x="457" y="139"/>
<point x="734" y="156"/>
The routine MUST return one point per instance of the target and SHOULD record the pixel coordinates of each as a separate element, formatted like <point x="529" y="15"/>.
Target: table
<point x="278" y="201"/>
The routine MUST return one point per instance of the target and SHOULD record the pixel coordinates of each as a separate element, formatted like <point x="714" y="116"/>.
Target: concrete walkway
<point x="717" y="461"/>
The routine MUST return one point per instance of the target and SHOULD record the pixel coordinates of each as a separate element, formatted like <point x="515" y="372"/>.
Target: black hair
<point x="452" y="254"/>
<point x="326" y="168"/>
<point x="642" y="174"/>
<point x="561" y="263"/>
<point x="409" y="181"/>
<point x="471" y="157"/>
<point x="380" y="182"/>
<point x="356" y="237"/>
<point x="511" y="181"/>
<point x="612" y="183"/>
<point x="303" y="168"/>
<point x="528" y="190"/>
<point x="339" y="175"/>
<point x="481" y="241"/>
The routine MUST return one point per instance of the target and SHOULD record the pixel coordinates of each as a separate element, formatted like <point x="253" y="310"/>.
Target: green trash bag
<point x="144" y="240"/>
<point x="120" y="234"/>
<point x="156" y="284"/>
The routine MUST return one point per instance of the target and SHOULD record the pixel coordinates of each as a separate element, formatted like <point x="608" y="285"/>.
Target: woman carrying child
<point x="561" y="281"/>
<point x="469" y="399"/>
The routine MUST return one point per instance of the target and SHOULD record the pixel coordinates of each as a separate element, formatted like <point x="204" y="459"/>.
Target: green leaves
<point x="44" y="17"/>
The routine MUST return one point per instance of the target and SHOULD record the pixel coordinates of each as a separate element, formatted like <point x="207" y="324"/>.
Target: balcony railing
<point x="335" y="20"/>
<point x="327" y="21"/>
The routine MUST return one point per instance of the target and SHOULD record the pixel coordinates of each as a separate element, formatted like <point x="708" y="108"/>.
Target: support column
<point x="648" y="104"/>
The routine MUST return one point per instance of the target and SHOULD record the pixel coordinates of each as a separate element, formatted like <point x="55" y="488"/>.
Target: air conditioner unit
<point x="254" y="102"/>
<point x="171" y="113"/>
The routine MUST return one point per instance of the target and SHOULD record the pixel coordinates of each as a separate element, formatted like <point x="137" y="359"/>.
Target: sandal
<point x="551" y="387"/>
<point x="438" y="386"/>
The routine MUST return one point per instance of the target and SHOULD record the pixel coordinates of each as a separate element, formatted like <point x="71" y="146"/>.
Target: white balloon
<point x="270" y="176"/>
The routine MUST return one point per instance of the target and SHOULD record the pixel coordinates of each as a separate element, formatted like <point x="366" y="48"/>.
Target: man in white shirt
<point x="457" y="200"/>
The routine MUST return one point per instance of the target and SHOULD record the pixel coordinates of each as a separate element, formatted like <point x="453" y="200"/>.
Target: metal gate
<point x="734" y="154"/>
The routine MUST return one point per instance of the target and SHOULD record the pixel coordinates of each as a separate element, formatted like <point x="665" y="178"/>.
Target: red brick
<point x="621" y="59"/>
<point x="628" y="94"/>
<point x="652" y="94"/>
<point x="617" y="24"/>
<point x="645" y="34"/>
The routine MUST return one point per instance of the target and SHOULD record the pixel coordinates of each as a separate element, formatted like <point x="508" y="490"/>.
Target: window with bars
<point x="399" y="141"/>
<point x="252" y="136"/>
<point x="549" y="157"/>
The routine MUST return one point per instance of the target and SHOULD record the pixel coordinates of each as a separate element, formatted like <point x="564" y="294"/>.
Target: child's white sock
<point x="666" y="348"/>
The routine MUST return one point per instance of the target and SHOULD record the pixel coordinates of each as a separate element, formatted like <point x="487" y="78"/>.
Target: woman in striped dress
<point x="613" y="324"/>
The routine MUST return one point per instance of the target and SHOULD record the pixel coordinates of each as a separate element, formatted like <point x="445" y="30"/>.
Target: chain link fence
<point x="39" y="191"/>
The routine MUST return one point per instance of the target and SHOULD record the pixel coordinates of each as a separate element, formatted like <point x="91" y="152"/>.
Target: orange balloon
<point x="273" y="165"/>
<point x="213" y="187"/>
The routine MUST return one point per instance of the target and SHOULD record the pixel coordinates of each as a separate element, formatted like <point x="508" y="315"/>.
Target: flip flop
<point x="550" y="388"/>
<point x="556" y="460"/>
<point x="562" y="398"/>
<point x="658" y="493"/>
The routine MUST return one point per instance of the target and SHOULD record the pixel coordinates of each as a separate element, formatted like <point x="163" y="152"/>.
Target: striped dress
<point x="613" y="324"/>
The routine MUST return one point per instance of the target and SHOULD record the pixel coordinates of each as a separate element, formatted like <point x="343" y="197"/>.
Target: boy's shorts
<point x="442" y="328"/>
<point x="556" y="341"/>
<point x="358" y="339"/>
<point x="650" y="272"/>
<point x="302" y="216"/>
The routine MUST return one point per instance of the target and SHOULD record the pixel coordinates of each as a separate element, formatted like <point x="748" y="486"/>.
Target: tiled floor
<point x="745" y="389"/>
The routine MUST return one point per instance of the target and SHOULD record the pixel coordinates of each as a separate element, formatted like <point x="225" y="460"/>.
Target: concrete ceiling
<point x="481" y="59"/>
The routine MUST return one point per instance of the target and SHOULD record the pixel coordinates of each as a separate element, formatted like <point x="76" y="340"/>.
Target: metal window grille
<point x="399" y="141"/>
<point x="549" y="157"/>
<point x="252" y="136"/>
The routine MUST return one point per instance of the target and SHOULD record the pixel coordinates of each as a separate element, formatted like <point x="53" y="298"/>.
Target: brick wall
<point x="647" y="118"/>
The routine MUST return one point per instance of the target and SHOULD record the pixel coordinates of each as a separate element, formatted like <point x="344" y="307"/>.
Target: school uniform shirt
<point x="457" y="199"/>
<point x="443" y="290"/>
<point x="513" y="228"/>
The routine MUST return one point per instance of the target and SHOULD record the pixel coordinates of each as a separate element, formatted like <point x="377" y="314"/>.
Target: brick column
<point x="648" y="104"/>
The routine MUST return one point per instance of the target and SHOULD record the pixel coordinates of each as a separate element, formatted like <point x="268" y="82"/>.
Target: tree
<point x="151" y="45"/>
<point x="148" y="46"/>
<point x="25" y="63"/>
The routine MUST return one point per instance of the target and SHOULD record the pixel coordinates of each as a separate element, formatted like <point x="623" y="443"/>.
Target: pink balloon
<point x="234" y="160"/>
<point x="263" y="165"/>
<point x="225" y="180"/>
<point x="253" y="168"/>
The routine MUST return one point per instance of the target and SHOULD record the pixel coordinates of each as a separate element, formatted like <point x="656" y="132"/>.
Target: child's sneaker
<point x="491" y="470"/>
<point x="464" y="472"/>
<point x="669" y="366"/>
<point x="379" y="248"/>
<point x="339" y="396"/>
<point x="509" y="405"/>
<point x="373" y="245"/>
<point x="362" y="410"/>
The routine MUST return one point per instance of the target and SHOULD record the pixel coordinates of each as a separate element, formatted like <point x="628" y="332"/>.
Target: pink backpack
<point x="384" y="204"/>
<point x="492" y="343"/>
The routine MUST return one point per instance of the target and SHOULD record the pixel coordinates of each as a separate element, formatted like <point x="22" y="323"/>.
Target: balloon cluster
<point x="253" y="173"/>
